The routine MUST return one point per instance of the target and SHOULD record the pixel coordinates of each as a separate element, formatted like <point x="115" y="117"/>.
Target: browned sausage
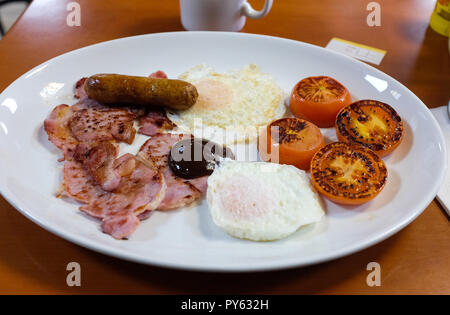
<point x="116" y="88"/>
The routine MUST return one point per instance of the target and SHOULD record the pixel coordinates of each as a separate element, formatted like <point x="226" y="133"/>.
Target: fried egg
<point x="231" y="106"/>
<point x="261" y="201"/>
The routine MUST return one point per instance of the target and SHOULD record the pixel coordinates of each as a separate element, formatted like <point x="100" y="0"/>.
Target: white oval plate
<point x="187" y="238"/>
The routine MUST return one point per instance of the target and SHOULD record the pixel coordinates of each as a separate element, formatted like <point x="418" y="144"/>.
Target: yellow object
<point x="440" y="19"/>
<point x="373" y="123"/>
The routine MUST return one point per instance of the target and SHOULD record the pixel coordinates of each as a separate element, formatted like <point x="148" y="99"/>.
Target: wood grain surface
<point x="415" y="260"/>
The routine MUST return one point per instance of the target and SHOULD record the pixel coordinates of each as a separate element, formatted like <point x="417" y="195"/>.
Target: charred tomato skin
<point x="359" y="112"/>
<point x="319" y="99"/>
<point x="360" y="176"/>
<point x="295" y="143"/>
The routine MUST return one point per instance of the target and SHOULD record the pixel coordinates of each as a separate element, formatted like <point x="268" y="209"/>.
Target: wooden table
<point x="415" y="260"/>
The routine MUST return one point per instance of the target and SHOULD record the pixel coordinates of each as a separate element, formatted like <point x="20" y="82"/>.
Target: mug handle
<point x="247" y="10"/>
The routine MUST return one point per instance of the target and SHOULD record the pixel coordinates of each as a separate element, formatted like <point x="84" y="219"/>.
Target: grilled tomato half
<point x="373" y="124"/>
<point x="319" y="100"/>
<point x="348" y="173"/>
<point x="291" y="141"/>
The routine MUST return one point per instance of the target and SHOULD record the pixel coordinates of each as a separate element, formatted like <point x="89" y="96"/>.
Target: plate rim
<point x="240" y="267"/>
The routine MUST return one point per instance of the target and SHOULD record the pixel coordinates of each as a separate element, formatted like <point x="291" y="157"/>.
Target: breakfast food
<point x="290" y="141"/>
<point x="141" y="189"/>
<point x="80" y="92"/>
<point x="98" y="160"/>
<point x="176" y="166"/>
<point x="120" y="191"/>
<point x="348" y="173"/>
<point x="180" y="192"/>
<point x="92" y="121"/>
<point x="79" y="88"/>
<point x="116" y="89"/>
<point x="319" y="99"/>
<point x="231" y="106"/>
<point x="88" y="121"/>
<point x="261" y="201"/>
<point x="155" y="121"/>
<point x="194" y="158"/>
<point x="58" y="131"/>
<point x="372" y="124"/>
<point x="142" y="183"/>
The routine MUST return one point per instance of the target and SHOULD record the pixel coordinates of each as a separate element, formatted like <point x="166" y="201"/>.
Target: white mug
<point x="219" y="15"/>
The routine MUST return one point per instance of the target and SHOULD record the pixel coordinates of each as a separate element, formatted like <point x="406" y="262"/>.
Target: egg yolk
<point x="213" y="95"/>
<point x="245" y="198"/>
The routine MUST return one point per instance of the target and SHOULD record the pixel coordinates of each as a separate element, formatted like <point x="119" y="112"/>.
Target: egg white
<point x="261" y="201"/>
<point x="232" y="106"/>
